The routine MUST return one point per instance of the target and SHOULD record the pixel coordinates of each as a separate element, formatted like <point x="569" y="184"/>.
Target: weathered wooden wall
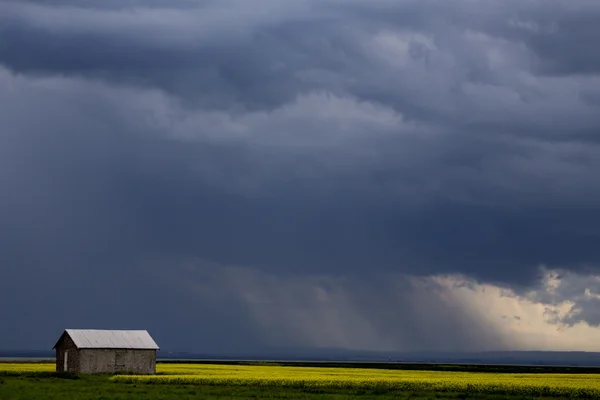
<point x="111" y="361"/>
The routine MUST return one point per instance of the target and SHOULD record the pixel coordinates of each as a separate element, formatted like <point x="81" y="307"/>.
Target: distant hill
<point x="562" y="358"/>
<point x="541" y="358"/>
<point x="26" y="354"/>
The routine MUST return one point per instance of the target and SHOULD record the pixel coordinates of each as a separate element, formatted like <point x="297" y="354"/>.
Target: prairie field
<point x="258" y="381"/>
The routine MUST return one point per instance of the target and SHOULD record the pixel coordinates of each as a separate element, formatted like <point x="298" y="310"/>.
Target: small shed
<point x="92" y="351"/>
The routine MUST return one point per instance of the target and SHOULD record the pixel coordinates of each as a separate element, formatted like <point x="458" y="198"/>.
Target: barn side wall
<point x="110" y="361"/>
<point x="73" y="357"/>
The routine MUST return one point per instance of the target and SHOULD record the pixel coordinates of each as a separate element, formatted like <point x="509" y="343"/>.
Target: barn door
<point x="66" y="361"/>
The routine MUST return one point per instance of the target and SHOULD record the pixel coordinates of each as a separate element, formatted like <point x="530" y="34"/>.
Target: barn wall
<point x="73" y="358"/>
<point x="111" y="361"/>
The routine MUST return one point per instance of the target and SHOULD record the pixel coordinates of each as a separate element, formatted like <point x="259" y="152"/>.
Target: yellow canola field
<point x="548" y="385"/>
<point x="16" y="369"/>
<point x="555" y="385"/>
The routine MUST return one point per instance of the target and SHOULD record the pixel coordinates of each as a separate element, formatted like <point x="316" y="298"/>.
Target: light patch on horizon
<point x="534" y="325"/>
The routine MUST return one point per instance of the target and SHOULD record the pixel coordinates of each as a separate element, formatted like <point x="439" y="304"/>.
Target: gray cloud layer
<point x="320" y="138"/>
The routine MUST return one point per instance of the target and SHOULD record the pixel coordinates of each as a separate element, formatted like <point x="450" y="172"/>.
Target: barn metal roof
<point x="111" y="339"/>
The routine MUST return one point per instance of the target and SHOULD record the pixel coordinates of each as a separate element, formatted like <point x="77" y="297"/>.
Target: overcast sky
<point x="234" y="175"/>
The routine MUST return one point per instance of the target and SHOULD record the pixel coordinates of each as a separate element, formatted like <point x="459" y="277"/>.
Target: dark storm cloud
<point x="260" y="57"/>
<point x="560" y="35"/>
<point x="211" y="51"/>
<point x="319" y="138"/>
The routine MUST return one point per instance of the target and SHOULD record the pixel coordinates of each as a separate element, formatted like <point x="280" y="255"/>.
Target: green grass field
<point x="183" y="381"/>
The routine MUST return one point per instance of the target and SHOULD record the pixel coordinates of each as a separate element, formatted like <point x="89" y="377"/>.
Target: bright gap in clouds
<point x="544" y="318"/>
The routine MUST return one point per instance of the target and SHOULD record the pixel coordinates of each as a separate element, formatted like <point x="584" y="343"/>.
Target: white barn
<point x="92" y="351"/>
